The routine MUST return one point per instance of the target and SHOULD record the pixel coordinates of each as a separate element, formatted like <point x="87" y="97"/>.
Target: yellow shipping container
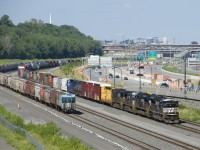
<point x="106" y="94"/>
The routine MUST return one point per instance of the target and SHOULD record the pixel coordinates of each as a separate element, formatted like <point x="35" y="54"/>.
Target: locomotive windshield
<point x="68" y="99"/>
<point x="170" y="104"/>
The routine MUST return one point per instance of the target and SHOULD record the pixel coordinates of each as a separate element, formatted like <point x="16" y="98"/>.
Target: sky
<point x="178" y="20"/>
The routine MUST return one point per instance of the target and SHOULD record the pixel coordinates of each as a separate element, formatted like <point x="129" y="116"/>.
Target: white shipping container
<point x="47" y="95"/>
<point x="64" y="84"/>
<point x="55" y="80"/>
<point x="37" y="91"/>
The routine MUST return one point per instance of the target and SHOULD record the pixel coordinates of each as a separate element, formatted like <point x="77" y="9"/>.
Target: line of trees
<point x="36" y="39"/>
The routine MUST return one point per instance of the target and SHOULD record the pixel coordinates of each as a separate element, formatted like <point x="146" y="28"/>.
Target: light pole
<point x="105" y="73"/>
<point x="140" y="84"/>
<point x="151" y="72"/>
<point x="185" y="91"/>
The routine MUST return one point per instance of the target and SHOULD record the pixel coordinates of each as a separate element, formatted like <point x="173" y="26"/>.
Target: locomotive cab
<point x="68" y="102"/>
<point x="170" y="110"/>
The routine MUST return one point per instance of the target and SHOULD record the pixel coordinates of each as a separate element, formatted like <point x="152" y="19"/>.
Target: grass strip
<point x="189" y="114"/>
<point x="47" y="134"/>
<point x="16" y="139"/>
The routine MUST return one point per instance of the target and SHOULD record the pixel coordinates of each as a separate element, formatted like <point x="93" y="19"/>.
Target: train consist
<point x="153" y="106"/>
<point x="33" y="65"/>
<point x="58" y="99"/>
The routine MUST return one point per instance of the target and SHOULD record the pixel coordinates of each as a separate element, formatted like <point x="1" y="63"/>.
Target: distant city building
<point x="165" y="41"/>
<point x="150" y="40"/>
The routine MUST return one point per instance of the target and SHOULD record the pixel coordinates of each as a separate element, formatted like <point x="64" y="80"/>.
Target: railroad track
<point x="140" y="129"/>
<point x="114" y="133"/>
<point x="188" y="128"/>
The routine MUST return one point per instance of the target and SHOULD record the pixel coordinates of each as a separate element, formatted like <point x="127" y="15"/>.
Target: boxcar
<point x="37" y="91"/>
<point x="64" y="84"/>
<point x="91" y="90"/>
<point x="57" y="82"/>
<point x="45" y="94"/>
<point x="51" y="79"/>
<point x="27" y="88"/>
<point x="5" y="79"/>
<point x="106" y="93"/>
<point x="1" y="78"/>
<point x="42" y="79"/>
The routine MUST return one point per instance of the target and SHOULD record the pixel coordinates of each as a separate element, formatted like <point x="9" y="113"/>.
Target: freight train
<point x="60" y="100"/>
<point x="153" y="106"/>
<point x="33" y="65"/>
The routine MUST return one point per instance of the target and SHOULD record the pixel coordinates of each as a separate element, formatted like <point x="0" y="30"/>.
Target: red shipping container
<point x="27" y="88"/>
<point x="50" y="80"/>
<point x="41" y="77"/>
<point x="31" y="75"/>
<point x="54" y="97"/>
<point x="44" y="94"/>
<point x="91" y="90"/>
<point x="32" y="90"/>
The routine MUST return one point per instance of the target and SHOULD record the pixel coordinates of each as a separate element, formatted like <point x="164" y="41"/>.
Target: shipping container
<point x="14" y="84"/>
<point x="5" y="79"/>
<point x="27" y="87"/>
<point x="41" y="77"/>
<point x="54" y="97"/>
<point x="106" y="93"/>
<point x="32" y="90"/>
<point x="44" y="90"/>
<point x="47" y="95"/>
<point x="64" y="84"/>
<point x="21" y="70"/>
<point x="27" y="74"/>
<point x="57" y="82"/>
<point x="91" y="90"/>
<point x="1" y="78"/>
<point x="50" y="80"/>
<point x="21" y="83"/>
<point x="37" y="91"/>
<point x="31" y="75"/>
<point x="36" y="76"/>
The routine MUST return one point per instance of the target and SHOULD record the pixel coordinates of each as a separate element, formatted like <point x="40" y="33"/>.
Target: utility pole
<point x="114" y="76"/>
<point x="185" y="91"/>
<point x="140" y="84"/>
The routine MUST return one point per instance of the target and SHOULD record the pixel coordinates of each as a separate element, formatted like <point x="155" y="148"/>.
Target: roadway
<point x="133" y="84"/>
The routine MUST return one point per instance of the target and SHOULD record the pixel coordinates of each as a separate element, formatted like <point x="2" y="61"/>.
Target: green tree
<point x="5" y="20"/>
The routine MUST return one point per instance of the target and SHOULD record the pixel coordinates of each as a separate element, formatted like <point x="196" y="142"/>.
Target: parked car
<point x="164" y="85"/>
<point x="125" y="78"/>
<point x="110" y="75"/>
<point x="100" y="73"/>
<point x="117" y="76"/>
